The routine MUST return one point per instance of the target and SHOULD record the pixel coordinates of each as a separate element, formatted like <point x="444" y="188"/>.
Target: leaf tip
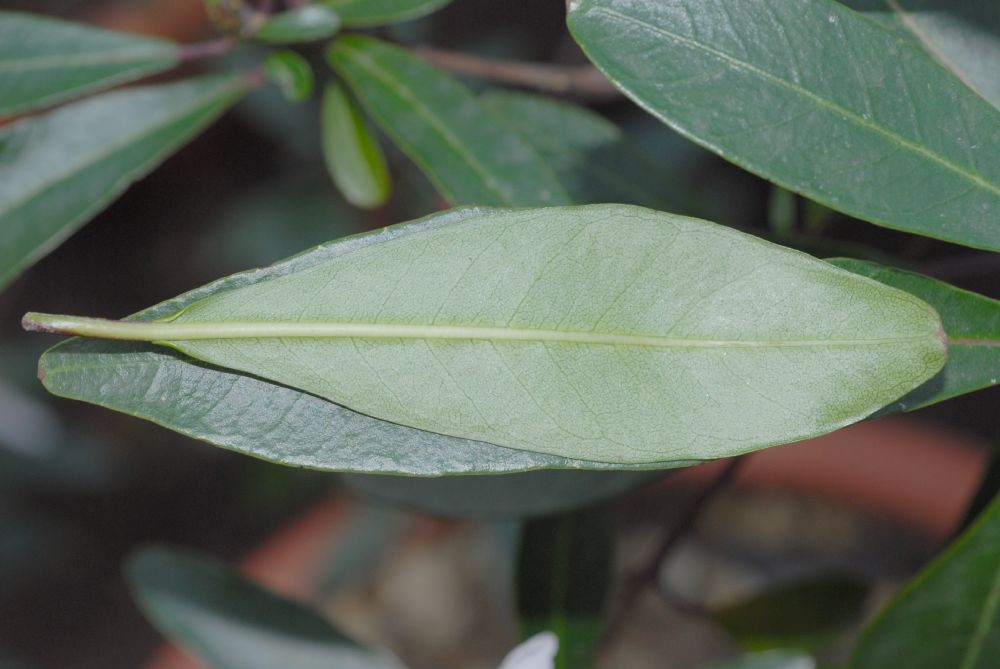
<point x="33" y="322"/>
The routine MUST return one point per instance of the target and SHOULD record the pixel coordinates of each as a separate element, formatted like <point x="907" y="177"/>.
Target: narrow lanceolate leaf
<point x="963" y="35"/>
<point x="971" y="322"/>
<point x="947" y="617"/>
<point x="510" y="496"/>
<point x="590" y="155"/>
<point x="814" y="97"/>
<point x="58" y="170"/>
<point x="607" y="333"/>
<point x="291" y="73"/>
<point x="280" y="424"/>
<point x="44" y="60"/>
<point x="364" y="13"/>
<point x="353" y="155"/>
<point x="466" y="153"/>
<point x="302" y="24"/>
<point x="228" y="622"/>
<point x="564" y="574"/>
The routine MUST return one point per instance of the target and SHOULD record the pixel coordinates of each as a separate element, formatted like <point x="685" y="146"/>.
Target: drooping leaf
<point x="291" y="73"/>
<point x="45" y="60"/>
<point x="564" y="574"/>
<point x="468" y="156"/>
<point x="591" y="156"/>
<point x="58" y="170"/>
<point x="510" y="496"/>
<point x="815" y="98"/>
<point x="971" y="322"/>
<point x="769" y="660"/>
<point x="607" y="333"/>
<point x="301" y="24"/>
<point x="947" y="617"/>
<point x="963" y="35"/>
<point x="353" y="155"/>
<point x="365" y="13"/>
<point x="228" y="622"/>
<point x="804" y="615"/>
<point x="264" y="419"/>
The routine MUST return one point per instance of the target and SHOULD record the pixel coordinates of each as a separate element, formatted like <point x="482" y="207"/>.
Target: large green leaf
<point x="228" y="622"/>
<point x="44" y="60"/>
<point x="58" y="170"/>
<point x="250" y="415"/>
<point x="590" y="155"/>
<point x="963" y="35"/>
<point x="947" y="617"/>
<point x="814" y="97"/>
<point x="363" y="13"/>
<point x="607" y="333"/>
<point x="468" y="156"/>
<point x="511" y="496"/>
<point x="971" y="321"/>
<point x="564" y="574"/>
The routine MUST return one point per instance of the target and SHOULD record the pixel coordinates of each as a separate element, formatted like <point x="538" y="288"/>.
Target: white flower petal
<point x="538" y="652"/>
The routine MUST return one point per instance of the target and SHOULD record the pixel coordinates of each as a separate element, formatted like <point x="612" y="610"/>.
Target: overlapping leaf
<point x="814" y="97"/>
<point x="58" y="170"/>
<point x="364" y="13"/>
<point x="45" y="60"/>
<point x="585" y="332"/>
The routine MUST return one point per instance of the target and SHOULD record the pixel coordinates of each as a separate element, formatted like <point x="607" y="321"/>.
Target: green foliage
<point x="487" y="343"/>
<point x="44" y="61"/>
<point x="291" y="73"/>
<point x="839" y="110"/>
<point x="353" y="155"/>
<point x="947" y="617"/>
<point x="59" y="169"/>
<point x="468" y="156"/>
<point x="302" y="24"/>
<point x="228" y="622"/>
<point x="365" y="13"/>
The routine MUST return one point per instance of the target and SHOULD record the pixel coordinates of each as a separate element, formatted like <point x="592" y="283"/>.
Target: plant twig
<point x="215" y="47"/>
<point x="582" y="81"/>
<point x="648" y="575"/>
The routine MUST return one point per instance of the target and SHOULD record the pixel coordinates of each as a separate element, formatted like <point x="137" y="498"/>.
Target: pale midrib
<point x="819" y="100"/>
<point x="432" y="120"/>
<point x="84" y="59"/>
<point x="166" y="331"/>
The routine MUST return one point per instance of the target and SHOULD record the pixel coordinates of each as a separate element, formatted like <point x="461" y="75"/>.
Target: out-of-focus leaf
<point x="228" y="622"/>
<point x="770" y="660"/>
<point x="805" y="615"/>
<point x="302" y="24"/>
<point x="264" y="419"/>
<point x="946" y="618"/>
<point x="469" y="156"/>
<point x="590" y="155"/>
<point x="291" y="73"/>
<point x="815" y="98"/>
<point x="508" y="496"/>
<point x="534" y="328"/>
<point x="364" y="13"/>
<point x="353" y="156"/>
<point x="44" y="60"/>
<point x="58" y="170"/>
<point x="963" y="35"/>
<point x="971" y="322"/>
<point x="564" y="573"/>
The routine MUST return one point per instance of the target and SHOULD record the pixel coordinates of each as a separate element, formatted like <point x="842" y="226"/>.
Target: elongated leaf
<point x="947" y="617"/>
<point x="363" y="13"/>
<point x="468" y="156"/>
<point x="510" y="496"/>
<point x="963" y="35"/>
<point x="564" y="573"/>
<point x="590" y="155"/>
<point x="291" y="73"/>
<point x="607" y="333"/>
<point x="44" y="60"/>
<point x="270" y="421"/>
<point x="58" y="170"/>
<point x="770" y="660"/>
<point x="971" y="321"/>
<point x="228" y="622"/>
<point x="353" y="156"/>
<point x="302" y="24"/>
<point x="814" y="97"/>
